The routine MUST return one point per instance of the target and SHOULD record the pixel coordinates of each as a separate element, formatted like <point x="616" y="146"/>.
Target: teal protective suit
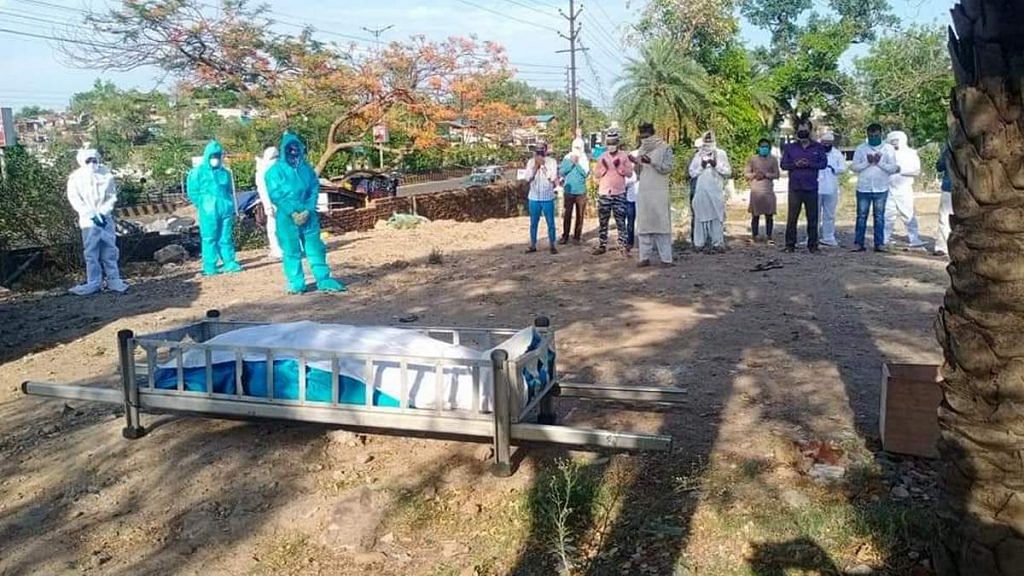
<point x="293" y="187"/>
<point x="211" y="190"/>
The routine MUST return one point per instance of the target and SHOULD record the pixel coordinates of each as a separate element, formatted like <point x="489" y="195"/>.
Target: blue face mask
<point x="875" y="140"/>
<point x="764" y="151"/>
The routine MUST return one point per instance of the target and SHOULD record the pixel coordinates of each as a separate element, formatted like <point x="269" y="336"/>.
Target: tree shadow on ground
<point x="34" y="323"/>
<point x="679" y="327"/>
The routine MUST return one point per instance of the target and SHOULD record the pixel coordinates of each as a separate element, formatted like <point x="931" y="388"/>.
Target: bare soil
<point x="765" y="358"/>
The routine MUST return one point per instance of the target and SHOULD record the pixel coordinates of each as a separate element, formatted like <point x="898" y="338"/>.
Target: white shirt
<point x="542" y="181"/>
<point x="828" y="179"/>
<point x="874" y="178"/>
<point x="633" y="182"/>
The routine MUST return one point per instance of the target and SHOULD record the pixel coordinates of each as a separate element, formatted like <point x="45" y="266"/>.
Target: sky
<point x="32" y="71"/>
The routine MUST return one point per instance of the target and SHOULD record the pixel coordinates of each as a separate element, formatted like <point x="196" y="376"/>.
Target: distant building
<point x="533" y="128"/>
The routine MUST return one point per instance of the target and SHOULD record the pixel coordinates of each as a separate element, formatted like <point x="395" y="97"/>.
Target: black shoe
<point x="813" y="250"/>
<point x="859" y="248"/>
<point x="554" y="250"/>
<point x="577" y="241"/>
<point x="531" y="249"/>
<point x="881" y="249"/>
<point x="564" y="240"/>
<point x="599" y="250"/>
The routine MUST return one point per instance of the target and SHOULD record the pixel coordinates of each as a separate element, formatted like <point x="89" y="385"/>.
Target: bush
<point x="34" y="210"/>
<point x="929" y="180"/>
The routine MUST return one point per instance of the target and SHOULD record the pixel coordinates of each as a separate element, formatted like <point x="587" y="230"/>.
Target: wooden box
<point x="908" y="418"/>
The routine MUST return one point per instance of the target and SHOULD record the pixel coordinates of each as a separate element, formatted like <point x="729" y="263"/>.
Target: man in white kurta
<point x="710" y="167"/>
<point x="653" y="164"/>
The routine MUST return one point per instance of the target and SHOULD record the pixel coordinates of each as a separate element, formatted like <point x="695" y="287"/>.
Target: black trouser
<point x="769" y="225"/>
<point x="579" y="203"/>
<point x="693" y="221"/>
<point x="807" y="200"/>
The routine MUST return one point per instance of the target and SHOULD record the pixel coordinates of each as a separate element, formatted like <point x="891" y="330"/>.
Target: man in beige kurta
<point x="653" y="163"/>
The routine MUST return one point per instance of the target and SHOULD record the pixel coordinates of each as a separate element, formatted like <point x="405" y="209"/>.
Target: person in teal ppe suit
<point x="211" y="190"/>
<point x="293" y="187"/>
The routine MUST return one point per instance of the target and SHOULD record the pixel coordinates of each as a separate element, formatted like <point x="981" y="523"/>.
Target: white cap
<point x="828" y="137"/>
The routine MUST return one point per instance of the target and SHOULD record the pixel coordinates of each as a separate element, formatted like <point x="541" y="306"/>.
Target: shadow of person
<point x="803" y="554"/>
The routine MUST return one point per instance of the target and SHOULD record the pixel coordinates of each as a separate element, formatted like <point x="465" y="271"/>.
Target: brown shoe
<point x="643" y="264"/>
<point x="531" y="249"/>
<point x="564" y="240"/>
<point x="554" y="250"/>
<point x="599" y="250"/>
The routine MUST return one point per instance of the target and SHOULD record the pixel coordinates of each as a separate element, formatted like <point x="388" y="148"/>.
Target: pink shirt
<point x="612" y="178"/>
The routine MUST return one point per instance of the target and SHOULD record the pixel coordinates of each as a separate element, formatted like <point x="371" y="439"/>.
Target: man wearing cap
<point x="613" y="168"/>
<point x="828" y="189"/>
<point x="542" y="174"/>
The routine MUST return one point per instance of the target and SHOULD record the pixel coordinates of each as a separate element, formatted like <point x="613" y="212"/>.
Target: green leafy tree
<point x="906" y="80"/>
<point x="663" y="86"/>
<point x="34" y="210"/>
<point x="32" y="112"/>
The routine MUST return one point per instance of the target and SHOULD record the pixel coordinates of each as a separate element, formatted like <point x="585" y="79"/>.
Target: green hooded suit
<point x="210" y="189"/>
<point x="293" y="187"/>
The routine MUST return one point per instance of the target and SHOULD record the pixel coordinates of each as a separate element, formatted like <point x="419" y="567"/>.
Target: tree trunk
<point x="981" y="325"/>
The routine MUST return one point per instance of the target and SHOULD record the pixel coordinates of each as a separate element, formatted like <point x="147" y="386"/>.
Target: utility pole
<point x="376" y="35"/>
<point x="573" y="37"/>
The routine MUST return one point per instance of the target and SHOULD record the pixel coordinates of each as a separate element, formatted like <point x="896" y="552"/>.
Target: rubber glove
<point x="300" y="218"/>
<point x="99" y="221"/>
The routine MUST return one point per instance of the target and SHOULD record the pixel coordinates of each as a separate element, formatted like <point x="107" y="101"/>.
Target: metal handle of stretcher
<point x="507" y="424"/>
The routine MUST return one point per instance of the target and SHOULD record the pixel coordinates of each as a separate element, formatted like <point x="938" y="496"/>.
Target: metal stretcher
<point x="510" y="422"/>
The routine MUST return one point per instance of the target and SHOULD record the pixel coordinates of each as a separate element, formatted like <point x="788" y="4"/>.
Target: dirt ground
<point x="766" y="359"/>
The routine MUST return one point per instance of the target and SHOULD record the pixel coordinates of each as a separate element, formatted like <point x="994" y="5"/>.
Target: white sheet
<point x="341" y="338"/>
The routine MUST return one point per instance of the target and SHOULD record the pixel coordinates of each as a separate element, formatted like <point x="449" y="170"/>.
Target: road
<point x="441" y="185"/>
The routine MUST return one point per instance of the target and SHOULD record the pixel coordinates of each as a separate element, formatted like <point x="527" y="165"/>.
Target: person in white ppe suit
<point x="901" y="190"/>
<point x="828" y="189"/>
<point x="92" y="194"/>
<point x="263" y="163"/>
<point x="710" y="168"/>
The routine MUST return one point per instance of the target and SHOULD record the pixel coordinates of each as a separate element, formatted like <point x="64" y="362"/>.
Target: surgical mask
<point x="764" y="151"/>
<point x="828" y="147"/>
<point x="875" y="140"/>
<point x="215" y="162"/>
<point x="541" y="153"/>
<point x="613" y="148"/>
<point x="803" y="134"/>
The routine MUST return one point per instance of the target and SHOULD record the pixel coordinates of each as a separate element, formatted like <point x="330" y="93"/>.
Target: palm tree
<point x="663" y="85"/>
<point x="982" y="321"/>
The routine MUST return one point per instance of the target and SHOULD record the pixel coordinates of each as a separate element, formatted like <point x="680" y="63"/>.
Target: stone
<point x="794" y="499"/>
<point x="353" y="522"/>
<point x="899" y="493"/>
<point x="824" y="473"/>
<point x="452" y="549"/>
<point x="170" y="254"/>
<point x="366" y="459"/>
<point x="861" y="570"/>
<point x="388" y="538"/>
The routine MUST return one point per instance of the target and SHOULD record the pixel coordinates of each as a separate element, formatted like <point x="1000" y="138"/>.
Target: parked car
<point x="356" y="188"/>
<point x="483" y="175"/>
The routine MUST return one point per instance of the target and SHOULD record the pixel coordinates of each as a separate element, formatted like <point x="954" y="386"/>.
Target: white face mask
<point x="215" y="162"/>
<point x="613" y="148"/>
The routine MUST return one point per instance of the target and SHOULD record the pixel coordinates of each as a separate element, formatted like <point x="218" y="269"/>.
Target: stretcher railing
<point x="506" y="421"/>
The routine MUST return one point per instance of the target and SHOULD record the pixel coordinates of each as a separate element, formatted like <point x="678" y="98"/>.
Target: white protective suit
<point x="828" y="195"/>
<point x="901" y="190"/>
<point x="92" y="194"/>
<point x="263" y="163"/>
<point x="709" y="196"/>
